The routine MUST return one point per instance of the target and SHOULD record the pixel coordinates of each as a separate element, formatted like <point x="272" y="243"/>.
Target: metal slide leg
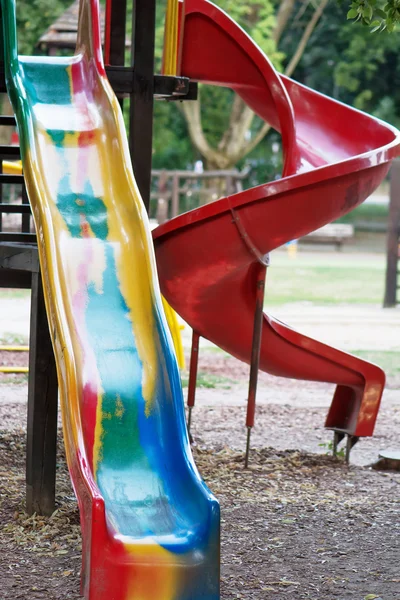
<point x="255" y="358"/>
<point x="337" y="438"/>
<point x="194" y="360"/>
<point x="351" y="441"/>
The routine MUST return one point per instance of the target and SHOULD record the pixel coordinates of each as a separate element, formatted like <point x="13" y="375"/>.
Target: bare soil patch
<point x="294" y="525"/>
<point x="297" y="524"/>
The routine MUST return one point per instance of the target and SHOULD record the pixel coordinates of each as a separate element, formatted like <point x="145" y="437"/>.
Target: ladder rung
<point x="15" y="208"/>
<point x="13" y="151"/>
<point x="6" y="178"/>
<point x="10" y="236"/>
<point x="7" y="120"/>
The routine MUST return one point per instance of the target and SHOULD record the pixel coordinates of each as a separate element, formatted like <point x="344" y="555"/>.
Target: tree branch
<point x="247" y="148"/>
<point x="233" y="145"/>
<point x="284" y="13"/>
<point x="305" y="37"/>
<point x="237" y="133"/>
<point x="236" y="110"/>
<point x="257" y="139"/>
<point x="191" y="110"/>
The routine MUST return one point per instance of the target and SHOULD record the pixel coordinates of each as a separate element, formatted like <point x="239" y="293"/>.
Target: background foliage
<point x="342" y="59"/>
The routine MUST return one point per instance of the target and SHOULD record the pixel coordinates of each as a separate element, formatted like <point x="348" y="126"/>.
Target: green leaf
<point x="352" y="14"/>
<point x="380" y="13"/>
<point x="367" y="12"/>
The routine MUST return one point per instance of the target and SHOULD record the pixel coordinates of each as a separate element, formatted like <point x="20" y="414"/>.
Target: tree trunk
<point x="234" y="144"/>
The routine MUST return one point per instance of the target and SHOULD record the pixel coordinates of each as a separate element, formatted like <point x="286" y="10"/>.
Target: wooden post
<point x="392" y="255"/>
<point x="42" y="410"/>
<point x="229" y="190"/>
<point x="175" y="195"/>
<point x="1" y="190"/>
<point x="142" y="99"/>
<point x="162" y="200"/>
<point x="115" y="45"/>
<point x="117" y="29"/>
<point x="26" y="217"/>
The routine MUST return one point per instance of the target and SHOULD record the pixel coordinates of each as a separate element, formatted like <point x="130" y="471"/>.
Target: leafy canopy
<point x="33" y="18"/>
<point x="376" y="14"/>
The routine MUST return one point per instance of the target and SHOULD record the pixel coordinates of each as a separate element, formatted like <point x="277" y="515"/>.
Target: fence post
<point x="175" y="195"/>
<point x="392" y="253"/>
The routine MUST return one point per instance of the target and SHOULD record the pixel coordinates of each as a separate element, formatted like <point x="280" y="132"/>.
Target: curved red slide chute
<point x="209" y="259"/>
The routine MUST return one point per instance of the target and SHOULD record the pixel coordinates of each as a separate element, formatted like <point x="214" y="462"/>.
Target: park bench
<point x="334" y="233"/>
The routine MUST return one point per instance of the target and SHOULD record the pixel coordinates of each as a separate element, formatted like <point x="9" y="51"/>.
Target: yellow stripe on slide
<point x="175" y="329"/>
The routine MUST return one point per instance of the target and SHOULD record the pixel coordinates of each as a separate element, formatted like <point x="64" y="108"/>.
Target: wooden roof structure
<point x="62" y="33"/>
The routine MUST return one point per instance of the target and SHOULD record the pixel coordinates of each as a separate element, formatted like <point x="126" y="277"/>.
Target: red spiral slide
<point x="210" y="259"/>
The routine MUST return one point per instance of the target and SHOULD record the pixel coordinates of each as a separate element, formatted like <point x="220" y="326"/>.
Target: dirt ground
<point x="297" y="524"/>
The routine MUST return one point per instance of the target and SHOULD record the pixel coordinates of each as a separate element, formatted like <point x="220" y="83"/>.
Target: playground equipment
<point x="330" y="166"/>
<point x="15" y="168"/>
<point x="10" y="368"/>
<point x="19" y="263"/>
<point x="12" y="167"/>
<point x="150" y="526"/>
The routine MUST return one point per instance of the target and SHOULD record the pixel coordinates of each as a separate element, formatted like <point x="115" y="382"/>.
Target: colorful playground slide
<point x="334" y="157"/>
<point x="150" y="526"/>
<point x="15" y="168"/>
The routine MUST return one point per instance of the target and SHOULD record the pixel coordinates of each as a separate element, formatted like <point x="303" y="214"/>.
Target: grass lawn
<point x="389" y="361"/>
<point x="367" y="214"/>
<point x="325" y="278"/>
<point x="209" y="380"/>
<point x="14" y="293"/>
<point x="12" y="339"/>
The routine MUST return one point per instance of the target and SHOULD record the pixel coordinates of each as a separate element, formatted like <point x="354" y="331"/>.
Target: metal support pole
<point x="194" y="361"/>
<point x="351" y="441"/>
<point x="255" y="356"/>
<point x="337" y="437"/>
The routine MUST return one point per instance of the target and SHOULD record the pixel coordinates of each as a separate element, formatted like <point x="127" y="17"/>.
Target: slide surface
<point x="334" y="157"/>
<point x="15" y="168"/>
<point x="150" y="526"/>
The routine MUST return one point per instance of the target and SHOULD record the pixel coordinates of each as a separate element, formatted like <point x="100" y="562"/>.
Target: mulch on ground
<point x="219" y="363"/>
<point x="294" y="525"/>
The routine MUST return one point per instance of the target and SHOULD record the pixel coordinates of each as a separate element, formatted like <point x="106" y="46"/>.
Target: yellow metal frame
<point x="14" y="348"/>
<point x="12" y="168"/>
<point x="4" y="369"/>
<point x="171" y="38"/>
<point x="14" y="370"/>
